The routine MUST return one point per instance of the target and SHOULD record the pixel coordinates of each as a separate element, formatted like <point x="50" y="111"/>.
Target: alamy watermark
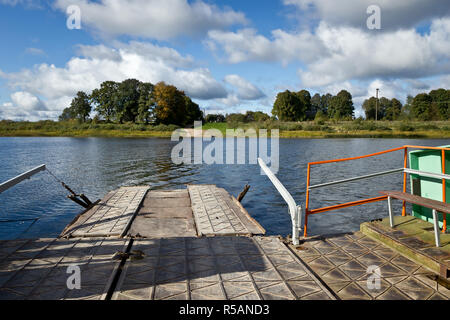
<point x="231" y="149"/>
<point x="374" y="278"/>
<point x="73" y="17"/>
<point x="374" y="20"/>
<point x="74" y="280"/>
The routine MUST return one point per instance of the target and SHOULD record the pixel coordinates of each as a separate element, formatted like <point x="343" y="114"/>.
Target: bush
<point x="404" y="126"/>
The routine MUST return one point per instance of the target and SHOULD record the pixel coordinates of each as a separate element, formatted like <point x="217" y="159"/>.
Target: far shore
<point x="306" y="130"/>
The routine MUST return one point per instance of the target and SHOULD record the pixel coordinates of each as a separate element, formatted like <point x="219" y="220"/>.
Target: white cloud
<point x="147" y="62"/>
<point x="247" y="45"/>
<point x="27" y="101"/>
<point x="153" y="18"/>
<point x="355" y="54"/>
<point x="336" y="54"/>
<point x="394" y="14"/>
<point x="245" y="89"/>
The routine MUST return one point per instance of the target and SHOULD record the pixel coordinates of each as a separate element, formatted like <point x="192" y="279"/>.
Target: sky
<point x="228" y="56"/>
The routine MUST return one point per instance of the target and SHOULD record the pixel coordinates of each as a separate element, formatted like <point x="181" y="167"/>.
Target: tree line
<point x="424" y="107"/>
<point x="142" y="102"/>
<point x="300" y="106"/>
<point x="134" y="101"/>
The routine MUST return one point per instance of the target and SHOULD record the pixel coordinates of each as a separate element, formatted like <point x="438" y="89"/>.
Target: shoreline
<point x="284" y="134"/>
<point x="294" y="130"/>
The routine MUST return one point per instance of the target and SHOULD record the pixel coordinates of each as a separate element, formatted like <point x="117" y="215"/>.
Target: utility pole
<point x="376" y="108"/>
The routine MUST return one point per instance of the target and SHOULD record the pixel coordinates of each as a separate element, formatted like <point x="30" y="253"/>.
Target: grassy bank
<point x="320" y="129"/>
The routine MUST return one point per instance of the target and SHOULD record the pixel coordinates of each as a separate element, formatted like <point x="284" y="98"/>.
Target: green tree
<point x="288" y="107"/>
<point x="406" y="110"/>
<point x="324" y="103"/>
<point x="126" y="100"/>
<point x="67" y="114"/>
<point x="193" y="112"/>
<point x="80" y="106"/>
<point x="316" y="104"/>
<point x="104" y="99"/>
<point x="146" y="112"/>
<point x="420" y="107"/>
<point x="256" y="116"/>
<point x="235" y="118"/>
<point x="215" y="118"/>
<point x="341" y="106"/>
<point x="305" y="99"/>
<point x="441" y="99"/>
<point x="369" y="107"/>
<point x="394" y="110"/>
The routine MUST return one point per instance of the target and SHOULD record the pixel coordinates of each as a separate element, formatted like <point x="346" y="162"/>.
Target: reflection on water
<point x="95" y="166"/>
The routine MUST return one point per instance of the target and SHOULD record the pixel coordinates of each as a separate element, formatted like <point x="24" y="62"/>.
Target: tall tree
<point x="193" y="112"/>
<point x="369" y="107"/>
<point x="316" y="103"/>
<point x="421" y="106"/>
<point x="81" y="106"/>
<point x="127" y="100"/>
<point x="288" y="107"/>
<point x="104" y="100"/>
<point x="305" y="99"/>
<point x="441" y="99"/>
<point x="324" y="102"/>
<point x="394" y="110"/>
<point x="146" y="112"/>
<point x="170" y="106"/>
<point x="341" y="105"/>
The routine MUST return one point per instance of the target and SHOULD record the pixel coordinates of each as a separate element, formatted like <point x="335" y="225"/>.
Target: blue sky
<point x="228" y="55"/>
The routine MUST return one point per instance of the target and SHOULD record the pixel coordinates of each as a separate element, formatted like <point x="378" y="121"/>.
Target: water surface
<point x="94" y="166"/>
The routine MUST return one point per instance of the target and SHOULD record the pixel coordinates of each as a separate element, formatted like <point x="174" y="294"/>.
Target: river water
<point x="94" y="166"/>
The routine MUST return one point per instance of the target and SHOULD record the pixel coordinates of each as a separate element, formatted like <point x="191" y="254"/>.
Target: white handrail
<point x="428" y="174"/>
<point x="26" y="175"/>
<point x="294" y="210"/>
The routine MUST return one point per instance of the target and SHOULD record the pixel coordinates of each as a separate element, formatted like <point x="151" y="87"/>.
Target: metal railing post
<point x="436" y="228"/>
<point x="444" y="197"/>
<point x="308" y="182"/>
<point x="405" y="165"/>
<point x="294" y="210"/>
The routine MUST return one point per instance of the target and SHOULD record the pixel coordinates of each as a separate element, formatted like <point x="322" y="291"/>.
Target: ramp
<point x="111" y="217"/>
<point x="218" y="213"/>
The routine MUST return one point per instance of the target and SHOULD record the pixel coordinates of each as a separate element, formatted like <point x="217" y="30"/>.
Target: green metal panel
<point x="429" y="161"/>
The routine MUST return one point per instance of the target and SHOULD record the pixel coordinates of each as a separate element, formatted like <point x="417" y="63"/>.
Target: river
<point x="94" y="166"/>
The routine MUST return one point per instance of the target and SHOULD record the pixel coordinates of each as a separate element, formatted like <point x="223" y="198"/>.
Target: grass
<point x="320" y="129"/>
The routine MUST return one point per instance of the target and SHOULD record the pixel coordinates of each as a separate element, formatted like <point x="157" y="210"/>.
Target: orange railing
<point x="405" y="148"/>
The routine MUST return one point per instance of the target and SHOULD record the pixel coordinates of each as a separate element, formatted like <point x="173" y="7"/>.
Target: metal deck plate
<point x="164" y="214"/>
<point x="218" y="268"/>
<point x="216" y="213"/>
<point x="342" y="262"/>
<point x="37" y="269"/>
<point x="112" y="216"/>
